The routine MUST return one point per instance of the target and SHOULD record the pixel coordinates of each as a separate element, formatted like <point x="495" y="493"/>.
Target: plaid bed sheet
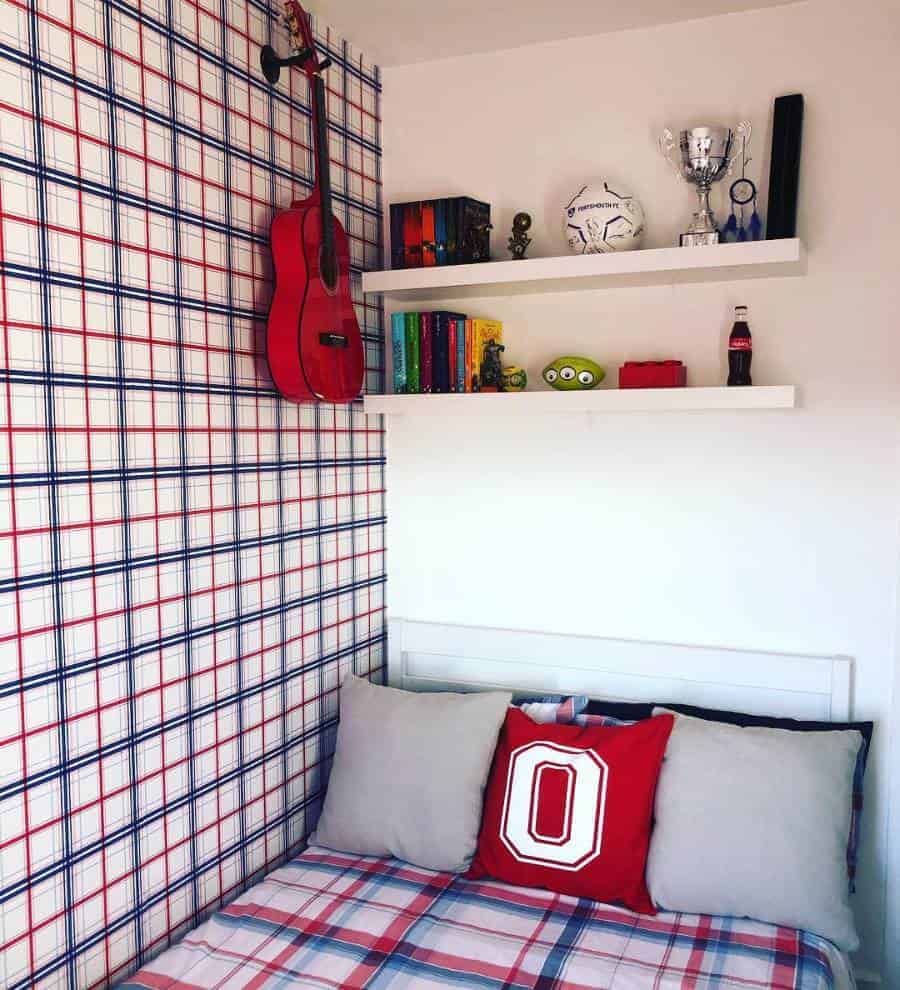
<point x="333" y="920"/>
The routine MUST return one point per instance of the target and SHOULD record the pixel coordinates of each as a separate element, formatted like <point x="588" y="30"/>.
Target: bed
<point x="333" y="920"/>
<point x="328" y="920"/>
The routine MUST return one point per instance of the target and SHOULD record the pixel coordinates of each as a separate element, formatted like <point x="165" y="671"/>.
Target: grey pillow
<point x="753" y="822"/>
<point x="409" y="773"/>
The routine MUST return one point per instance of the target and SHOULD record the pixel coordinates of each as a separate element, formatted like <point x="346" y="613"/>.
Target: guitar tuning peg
<point x="324" y="64"/>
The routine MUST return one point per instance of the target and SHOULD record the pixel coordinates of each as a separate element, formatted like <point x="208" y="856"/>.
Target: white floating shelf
<point x="656" y="266"/>
<point x="603" y="400"/>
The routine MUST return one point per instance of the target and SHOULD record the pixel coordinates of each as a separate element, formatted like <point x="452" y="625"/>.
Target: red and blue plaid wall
<point x="187" y="563"/>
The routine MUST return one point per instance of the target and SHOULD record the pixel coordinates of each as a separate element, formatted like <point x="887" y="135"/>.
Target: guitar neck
<point x="323" y="175"/>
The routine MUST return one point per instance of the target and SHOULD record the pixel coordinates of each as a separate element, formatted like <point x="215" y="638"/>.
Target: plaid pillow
<point x="550" y="709"/>
<point x="604" y="721"/>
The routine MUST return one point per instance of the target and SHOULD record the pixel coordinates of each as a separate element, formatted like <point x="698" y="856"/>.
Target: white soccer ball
<point x="603" y="217"/>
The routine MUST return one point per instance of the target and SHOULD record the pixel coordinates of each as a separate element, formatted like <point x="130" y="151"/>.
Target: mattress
<point x="334" y="920"/>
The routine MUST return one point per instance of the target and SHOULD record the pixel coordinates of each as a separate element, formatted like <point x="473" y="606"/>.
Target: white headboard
<point x="426" y="656"/>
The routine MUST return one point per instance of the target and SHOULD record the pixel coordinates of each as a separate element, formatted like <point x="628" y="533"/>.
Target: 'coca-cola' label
<point x="740" y="344"/>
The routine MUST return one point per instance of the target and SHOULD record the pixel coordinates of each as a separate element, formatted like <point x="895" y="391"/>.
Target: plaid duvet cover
<point x="330" y="920"/>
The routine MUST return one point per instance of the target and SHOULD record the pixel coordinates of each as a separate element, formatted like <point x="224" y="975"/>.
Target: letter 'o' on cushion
<point x="753" y="822"/>
<point x="409" y="773"/>
<point x="570" y="808"/>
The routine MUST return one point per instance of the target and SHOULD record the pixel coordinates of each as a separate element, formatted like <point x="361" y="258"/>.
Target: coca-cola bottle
<point x="740" y="349"/>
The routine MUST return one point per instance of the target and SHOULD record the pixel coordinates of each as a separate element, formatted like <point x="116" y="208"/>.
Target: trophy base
<point x="699" y="240"/>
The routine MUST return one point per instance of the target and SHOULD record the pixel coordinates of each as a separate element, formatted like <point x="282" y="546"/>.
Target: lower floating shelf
<point x="604" y="400"/>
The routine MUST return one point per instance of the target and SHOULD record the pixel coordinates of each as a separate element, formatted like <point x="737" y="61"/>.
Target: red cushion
<point x="571" y="808"/>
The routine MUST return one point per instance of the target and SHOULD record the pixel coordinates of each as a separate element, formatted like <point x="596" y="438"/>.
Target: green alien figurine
<point x="570" y="373"/>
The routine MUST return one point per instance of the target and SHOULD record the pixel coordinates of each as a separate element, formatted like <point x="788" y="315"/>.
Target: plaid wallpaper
<point x="187" y="563"/>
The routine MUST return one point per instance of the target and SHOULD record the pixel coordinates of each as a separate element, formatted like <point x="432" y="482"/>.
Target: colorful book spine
<point x="451" y="352"/>
<point x="397" y="243"/>
<point x="398" y="352"/>
<point x="473" y="225"/>
<point x="460" y="382"/>
<point x="440" y="231"/>
<point x="429" y="257"/>
<point x="440" y="351"/>
<point x="482" y="332"/>
<point x="451" y="210"/>
<point x="412" y="352"/>
<point x="426" y="353"/>
<point x="412" y="235"/>
<point x="441" y="354"/>
<point x="448" y="231"/>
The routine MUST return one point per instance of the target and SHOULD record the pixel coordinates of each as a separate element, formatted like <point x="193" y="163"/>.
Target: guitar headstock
<point x="297" y="21"/>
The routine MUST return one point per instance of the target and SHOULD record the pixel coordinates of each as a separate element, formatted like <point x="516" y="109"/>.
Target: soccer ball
<point x="601" y="218"/>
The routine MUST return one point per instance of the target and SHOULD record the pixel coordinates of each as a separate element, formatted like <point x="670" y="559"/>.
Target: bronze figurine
<point x="519" y="241"/>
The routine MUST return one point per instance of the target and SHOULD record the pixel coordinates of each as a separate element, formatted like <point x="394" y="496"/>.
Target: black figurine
<point x="491" y="377"/>
<point x="519" y="241"/>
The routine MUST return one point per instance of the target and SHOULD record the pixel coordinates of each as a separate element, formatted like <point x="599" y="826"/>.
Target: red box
<point x="652" y="374"/>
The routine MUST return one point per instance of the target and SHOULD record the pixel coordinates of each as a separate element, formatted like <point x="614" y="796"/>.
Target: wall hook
<point x="272" y="65"/>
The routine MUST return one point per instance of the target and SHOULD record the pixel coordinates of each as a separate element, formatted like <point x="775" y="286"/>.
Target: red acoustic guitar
<point x="313" y="343"/>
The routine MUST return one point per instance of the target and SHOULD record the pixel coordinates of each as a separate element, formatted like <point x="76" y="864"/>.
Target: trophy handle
<point x="667" y="145"/>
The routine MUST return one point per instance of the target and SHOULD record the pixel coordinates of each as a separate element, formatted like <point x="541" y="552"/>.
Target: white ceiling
<point x="396" y="32"/>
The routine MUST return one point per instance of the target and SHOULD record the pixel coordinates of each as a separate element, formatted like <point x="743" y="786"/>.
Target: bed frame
<point x="429" y="656"/>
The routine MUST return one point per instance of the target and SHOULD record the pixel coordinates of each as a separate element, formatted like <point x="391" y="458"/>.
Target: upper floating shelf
<point x="656" y="266"/>
<point x="599" y="400"/>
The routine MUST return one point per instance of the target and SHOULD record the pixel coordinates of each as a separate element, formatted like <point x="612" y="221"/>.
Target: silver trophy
<point x="702" y="156"/>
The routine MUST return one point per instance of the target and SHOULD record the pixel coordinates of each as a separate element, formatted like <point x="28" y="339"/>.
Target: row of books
<point x="439" y="351"/>
<point x="449" y="231"/>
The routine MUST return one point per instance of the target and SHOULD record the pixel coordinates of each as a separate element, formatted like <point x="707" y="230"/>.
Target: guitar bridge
<point x="333" y="340"/>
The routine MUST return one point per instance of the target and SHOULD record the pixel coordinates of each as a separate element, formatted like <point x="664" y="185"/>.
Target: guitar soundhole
<point x="328" y="270"/>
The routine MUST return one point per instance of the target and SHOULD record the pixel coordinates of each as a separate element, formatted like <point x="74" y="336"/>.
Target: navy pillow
<point x="638" y="709"/>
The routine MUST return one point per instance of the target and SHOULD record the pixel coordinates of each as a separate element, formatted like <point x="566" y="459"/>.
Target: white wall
<point x="770" y="530"/>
